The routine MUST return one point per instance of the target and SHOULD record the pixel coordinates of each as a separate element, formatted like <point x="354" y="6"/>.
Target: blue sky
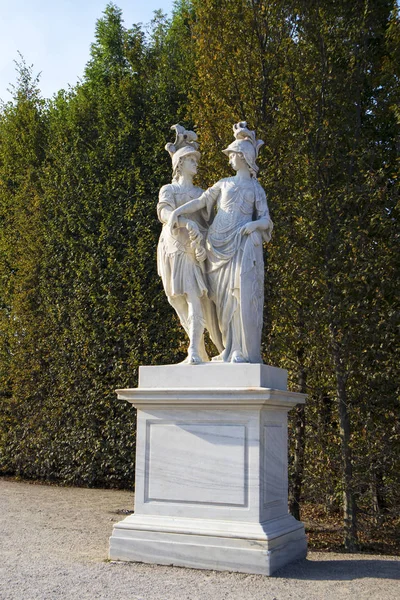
<point x="55" y="36"/>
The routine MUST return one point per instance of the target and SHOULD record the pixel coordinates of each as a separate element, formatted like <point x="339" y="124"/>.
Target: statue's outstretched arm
<point x="165" y="214"/>
<point x="193" y="206"/>
<point x="207" y="199"/>
<point x="166" y="205"/>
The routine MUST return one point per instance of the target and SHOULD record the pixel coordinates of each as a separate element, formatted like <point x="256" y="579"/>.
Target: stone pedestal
<point x="211" y="470"/>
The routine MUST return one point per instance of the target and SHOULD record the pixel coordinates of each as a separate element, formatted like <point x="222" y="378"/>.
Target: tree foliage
<point x="93" y="284"/>
<point x="81" y="305"/>
<point x="319" y="81"/>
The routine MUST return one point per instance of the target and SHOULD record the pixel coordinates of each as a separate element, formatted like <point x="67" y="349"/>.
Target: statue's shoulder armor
<point x="169" y="188"/>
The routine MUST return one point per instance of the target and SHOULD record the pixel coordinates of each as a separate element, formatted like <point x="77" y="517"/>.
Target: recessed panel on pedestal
<point x="273" y="474"/>
<point x="196" y="463"/>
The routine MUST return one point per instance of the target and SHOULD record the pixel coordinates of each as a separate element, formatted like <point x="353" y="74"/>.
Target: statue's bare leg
<point x="210" y="317"/>
<point x="194" y="327"/>
<point x="236" y="352"/>
<point x="180" y="305"/>
<point x="196" y="330"/>
<point x="203" y="351"/>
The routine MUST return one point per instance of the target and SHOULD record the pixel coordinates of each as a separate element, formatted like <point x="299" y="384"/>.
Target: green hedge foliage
<point x="81" y="305"/>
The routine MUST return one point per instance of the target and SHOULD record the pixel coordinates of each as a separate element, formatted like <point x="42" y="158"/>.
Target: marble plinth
<point x="211" y="470"/>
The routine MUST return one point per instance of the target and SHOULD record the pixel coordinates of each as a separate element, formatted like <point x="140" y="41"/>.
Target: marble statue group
<point x="210" y="252"/>
<point x="211" y="479"/>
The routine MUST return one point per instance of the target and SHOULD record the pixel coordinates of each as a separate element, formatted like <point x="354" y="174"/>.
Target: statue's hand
<point x="249" y="228"/>
<point x="200" y="254"/>
<point x="196" y="239"/>
<point x="194" y="234"/>
<point x="268" y="231"/>
<point x="192" y="228"/>
<point x="173" y="220"/>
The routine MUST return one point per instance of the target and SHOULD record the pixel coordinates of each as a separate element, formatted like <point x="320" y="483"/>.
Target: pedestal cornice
<point x="216" y="397"/>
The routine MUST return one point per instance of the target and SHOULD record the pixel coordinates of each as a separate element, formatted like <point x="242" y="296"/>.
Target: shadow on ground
<point x="341" y="570"/>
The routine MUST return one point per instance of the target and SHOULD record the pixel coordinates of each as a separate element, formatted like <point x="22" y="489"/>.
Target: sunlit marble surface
<point x="211" y="472"/>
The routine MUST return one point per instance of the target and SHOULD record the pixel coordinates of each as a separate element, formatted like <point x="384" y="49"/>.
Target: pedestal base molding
<point x="220" y="546"/>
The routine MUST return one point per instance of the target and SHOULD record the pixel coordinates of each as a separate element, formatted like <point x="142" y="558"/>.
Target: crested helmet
<point x="246" y="143"/>
<point x="185" y="144"/>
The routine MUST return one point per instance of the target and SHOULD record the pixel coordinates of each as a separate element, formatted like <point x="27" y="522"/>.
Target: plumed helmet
<point x="185" y="144"/>
<point x="245" y="143"/>
<point x="182" y="152"/>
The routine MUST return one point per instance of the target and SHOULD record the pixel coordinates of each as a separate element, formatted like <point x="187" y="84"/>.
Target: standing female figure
<point x="181" y="253"/>
<point x="235" y="266"/>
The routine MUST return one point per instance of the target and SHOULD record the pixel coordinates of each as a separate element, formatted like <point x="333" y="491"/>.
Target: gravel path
<point x="54" y="545"/>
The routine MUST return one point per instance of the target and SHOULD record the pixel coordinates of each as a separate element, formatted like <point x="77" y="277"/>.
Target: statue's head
<point x="184" y="152"/>
<point x="245" y="145"/>
<point x="185" y="161"/>
<point x="237" y="160"/>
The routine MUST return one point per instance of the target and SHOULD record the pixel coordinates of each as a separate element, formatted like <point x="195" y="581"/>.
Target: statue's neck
<point x="185" y="180"/>
<point x="243" y="175"/>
